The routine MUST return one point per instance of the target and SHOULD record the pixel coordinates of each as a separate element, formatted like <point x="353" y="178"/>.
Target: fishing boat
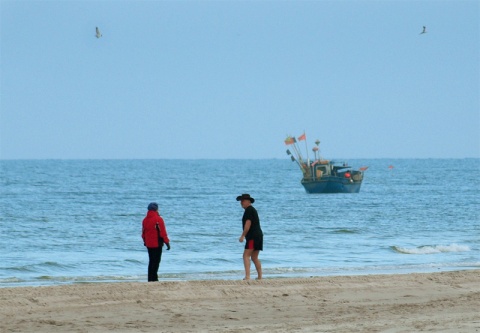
<point x="324" y="176"/>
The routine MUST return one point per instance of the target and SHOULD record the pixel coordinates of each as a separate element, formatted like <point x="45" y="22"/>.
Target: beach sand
<point x="435" y="302"/>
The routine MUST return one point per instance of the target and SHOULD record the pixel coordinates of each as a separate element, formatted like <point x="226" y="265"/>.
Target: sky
<point x="231" y="79"/>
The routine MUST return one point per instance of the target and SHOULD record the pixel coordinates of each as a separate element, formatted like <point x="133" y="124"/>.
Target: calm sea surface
<point x="79" y="221"/>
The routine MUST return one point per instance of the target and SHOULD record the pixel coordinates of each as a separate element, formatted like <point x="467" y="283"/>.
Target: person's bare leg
<point x="247" y="254"/>
<point x="258" y="264"/>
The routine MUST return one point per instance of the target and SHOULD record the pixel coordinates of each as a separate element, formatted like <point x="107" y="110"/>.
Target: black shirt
<point x="255" y="229"/>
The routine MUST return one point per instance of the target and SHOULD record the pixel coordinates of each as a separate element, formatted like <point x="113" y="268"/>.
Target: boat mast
<point x="290" y="140"/>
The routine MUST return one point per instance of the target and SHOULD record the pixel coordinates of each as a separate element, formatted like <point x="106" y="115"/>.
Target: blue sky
<point x="231" y="79"/>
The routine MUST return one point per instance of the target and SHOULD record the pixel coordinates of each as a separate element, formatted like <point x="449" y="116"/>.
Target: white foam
<point x="431" y="249"/>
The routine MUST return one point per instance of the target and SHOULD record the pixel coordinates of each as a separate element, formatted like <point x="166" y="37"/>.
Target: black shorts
<point x="256" y="244"/>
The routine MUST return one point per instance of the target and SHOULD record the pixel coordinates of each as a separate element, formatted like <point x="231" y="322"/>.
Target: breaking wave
<point x="431" y="249"/>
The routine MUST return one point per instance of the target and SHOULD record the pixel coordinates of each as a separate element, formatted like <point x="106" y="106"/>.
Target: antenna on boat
<point x="317" y="149"/>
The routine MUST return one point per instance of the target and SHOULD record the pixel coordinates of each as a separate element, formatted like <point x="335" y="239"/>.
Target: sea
<point x="79" y="221"/>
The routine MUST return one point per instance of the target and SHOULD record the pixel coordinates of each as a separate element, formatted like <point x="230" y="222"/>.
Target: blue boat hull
<point x="331" y="185"/>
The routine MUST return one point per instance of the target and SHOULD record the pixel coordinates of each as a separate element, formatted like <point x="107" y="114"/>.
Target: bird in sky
<point x="424" y="31"/>
<point x="98" y="33"/>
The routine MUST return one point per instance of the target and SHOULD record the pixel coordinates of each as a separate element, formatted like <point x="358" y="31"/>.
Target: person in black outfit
<point x="252" y="233"/>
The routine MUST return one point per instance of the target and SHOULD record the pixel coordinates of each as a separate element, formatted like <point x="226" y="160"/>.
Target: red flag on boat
<point x="289" y="140"/>
<point x="363" y="168"/>
<point x="302" y="137"/>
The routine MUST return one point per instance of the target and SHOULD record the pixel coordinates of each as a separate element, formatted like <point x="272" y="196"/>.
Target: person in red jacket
<point x="154" y="235"/>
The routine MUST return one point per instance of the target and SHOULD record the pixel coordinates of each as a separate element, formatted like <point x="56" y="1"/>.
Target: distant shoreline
<point x="234" y="159"/>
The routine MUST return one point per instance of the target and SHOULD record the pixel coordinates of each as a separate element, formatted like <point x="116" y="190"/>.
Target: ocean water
<point x="79" y="221"/>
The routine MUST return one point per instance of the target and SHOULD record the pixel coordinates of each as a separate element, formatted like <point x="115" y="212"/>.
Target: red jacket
<point x="149" y="230"/>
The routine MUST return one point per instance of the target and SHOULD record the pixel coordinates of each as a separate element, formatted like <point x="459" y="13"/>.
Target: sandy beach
<point x="435" y="302"/>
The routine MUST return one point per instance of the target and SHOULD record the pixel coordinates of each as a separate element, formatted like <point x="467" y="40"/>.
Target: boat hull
<point x="331" y="185"/>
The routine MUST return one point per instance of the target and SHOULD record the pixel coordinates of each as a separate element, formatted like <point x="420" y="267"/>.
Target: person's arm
<point x="248" y="223"/>
<point x="143" y="234"/>
<point x="163" y="233"/>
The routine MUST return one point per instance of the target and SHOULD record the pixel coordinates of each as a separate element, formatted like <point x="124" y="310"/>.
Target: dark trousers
<point x="155" y="256"/>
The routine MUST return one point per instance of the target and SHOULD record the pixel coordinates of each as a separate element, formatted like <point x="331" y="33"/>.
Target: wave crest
<point x="431" y="249"/>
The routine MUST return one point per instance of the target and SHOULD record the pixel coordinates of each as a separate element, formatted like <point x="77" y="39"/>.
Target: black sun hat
<point x="245" y="197"/>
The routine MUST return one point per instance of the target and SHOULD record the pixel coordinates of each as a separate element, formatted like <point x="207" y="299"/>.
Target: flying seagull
<point x="424" y="30"/>
<point x="98" y="33"/>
